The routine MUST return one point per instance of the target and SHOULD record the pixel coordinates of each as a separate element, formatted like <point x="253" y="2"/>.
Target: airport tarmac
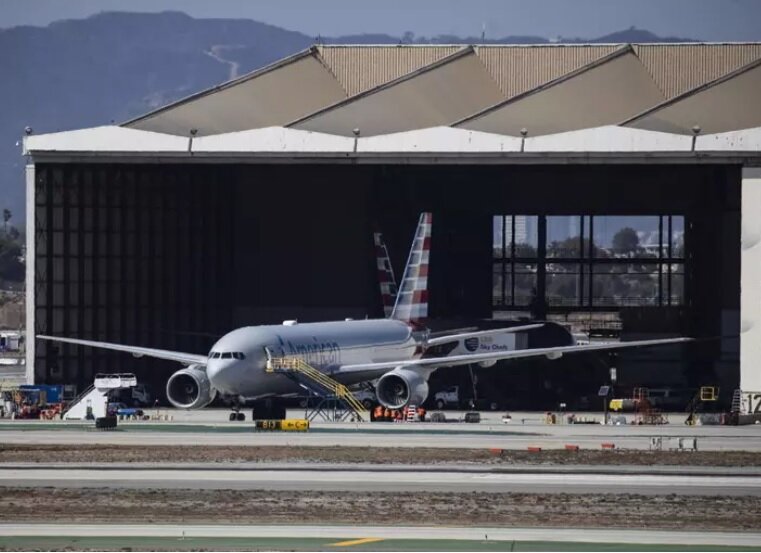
<point x="373" y="480"/>
<point x="210" y="427"/>
<point x="502" y="538"/>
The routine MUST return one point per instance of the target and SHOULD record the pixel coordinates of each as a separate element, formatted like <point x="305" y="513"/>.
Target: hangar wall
<point x="750" y="339"/>
<point x="172" y="255"/>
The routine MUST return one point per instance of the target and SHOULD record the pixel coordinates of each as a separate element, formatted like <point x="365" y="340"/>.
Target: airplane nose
<point x="219" y="372"/>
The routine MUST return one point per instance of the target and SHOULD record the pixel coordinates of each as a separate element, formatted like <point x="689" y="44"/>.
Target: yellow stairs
<point x="299" y="366"/>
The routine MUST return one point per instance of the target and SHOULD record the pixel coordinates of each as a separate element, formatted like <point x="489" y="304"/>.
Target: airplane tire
<point x="241" y="417"/>
<point x="233" y="417"/>
<point x="105" y="423"/>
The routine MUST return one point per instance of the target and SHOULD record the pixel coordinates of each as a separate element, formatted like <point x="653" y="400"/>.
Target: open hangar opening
<point x="255" y="201"/>
<point x="174" y="255"/>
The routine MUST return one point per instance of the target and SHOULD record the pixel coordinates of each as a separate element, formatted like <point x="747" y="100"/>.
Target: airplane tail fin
<point x="386" y="277"/>
<point x="412" y="299"/>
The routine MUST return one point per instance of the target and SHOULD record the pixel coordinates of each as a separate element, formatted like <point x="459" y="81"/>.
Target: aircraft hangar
<point x="612" y="188"/>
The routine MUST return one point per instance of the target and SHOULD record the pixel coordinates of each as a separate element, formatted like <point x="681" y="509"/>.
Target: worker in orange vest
<point x="378" y="413"/>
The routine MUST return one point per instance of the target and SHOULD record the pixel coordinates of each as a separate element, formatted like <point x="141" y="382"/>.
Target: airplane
<point x="391" y="351"/>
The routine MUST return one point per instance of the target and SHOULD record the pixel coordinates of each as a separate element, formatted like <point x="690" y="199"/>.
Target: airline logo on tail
<point x="386" y="277"/>
<point x="412" y="299"/>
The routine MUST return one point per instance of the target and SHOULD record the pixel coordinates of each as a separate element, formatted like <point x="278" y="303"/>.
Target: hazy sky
<point x="711" y="20"/>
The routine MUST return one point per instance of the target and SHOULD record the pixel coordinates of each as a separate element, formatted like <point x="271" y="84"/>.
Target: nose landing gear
<point x="236" y="415"/>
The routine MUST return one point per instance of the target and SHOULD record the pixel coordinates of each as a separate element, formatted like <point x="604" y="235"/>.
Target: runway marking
<point x="356" y="542"/>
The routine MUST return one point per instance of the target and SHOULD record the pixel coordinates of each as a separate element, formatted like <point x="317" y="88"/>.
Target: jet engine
<point x="190" y="388"/>
<point x="401" y="387"/>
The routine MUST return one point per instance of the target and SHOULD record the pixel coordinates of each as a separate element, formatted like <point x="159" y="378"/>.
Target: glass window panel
<point x="88" y="294"/>
<point x="625" y="284"/>
<point x="616" y="236"/>
<point x="525" y="283"/>
<point x="497" y="278"/>
<point x="564" y="236"/>
<point x="526" y="235"/>
<point x="73" y="268"/>
<point x="58" y="316"/>
<point x="57" y="243"/>
<point x="563" y="284"/>
<point x="58" y="265"/>
<point x="88" y="243"/>
<point x="74" y="294"/>
<point x="677" y="289"/>
<point x="677" y="236"/>
<point x="498" y="230"/>
<point x="74" y="218"/>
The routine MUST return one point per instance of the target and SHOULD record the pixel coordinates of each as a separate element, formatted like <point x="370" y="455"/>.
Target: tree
<point x="7" y="215"/>
<point x="11" y="268"/>
<point x="625" y="240"/>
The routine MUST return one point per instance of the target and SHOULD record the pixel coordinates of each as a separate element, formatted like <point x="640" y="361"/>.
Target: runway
<point x="370" y="479"/>
<point x="478" y="535"/>
<point x="710" y="438"/>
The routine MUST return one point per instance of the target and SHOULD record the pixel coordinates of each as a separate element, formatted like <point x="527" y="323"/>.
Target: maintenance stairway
<point x="319" y="384"/>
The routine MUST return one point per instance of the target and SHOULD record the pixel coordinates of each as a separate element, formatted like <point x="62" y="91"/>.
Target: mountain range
<point x="114" y="66"/>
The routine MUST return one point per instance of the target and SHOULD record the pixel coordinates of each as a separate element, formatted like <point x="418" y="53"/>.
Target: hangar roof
<point x="383" y="89"/>
<point x="607" y="144"/>
<point x="439" y="139"/>
<point x="273" y="95"/>
<point x="583" y="103"/>
<point x="107" y="138"/>
<point x="273" y="139"/>
<point x="723" y="104"/>
<point x="605" y="92"/>
<point x="436" y="94"/>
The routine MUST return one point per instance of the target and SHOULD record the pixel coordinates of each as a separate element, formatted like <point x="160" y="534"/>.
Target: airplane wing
<point x="433" y="363"/>
<point x="479" y="334"/>
<point x="180" y="357"/>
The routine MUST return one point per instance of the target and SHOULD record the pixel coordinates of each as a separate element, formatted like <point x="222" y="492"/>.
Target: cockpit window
<point x="239" y="355"/>
<point x="227" y="355"/>
<point x="215" y="355"/>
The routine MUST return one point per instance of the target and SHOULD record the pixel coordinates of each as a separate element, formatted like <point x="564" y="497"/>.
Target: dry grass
<point x="56" y="505"/>
<point x="239" y="454"/>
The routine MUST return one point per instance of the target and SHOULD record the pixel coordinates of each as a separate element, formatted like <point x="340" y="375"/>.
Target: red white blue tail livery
<point x="386" y="277"/>
<point x="412" y="299"/>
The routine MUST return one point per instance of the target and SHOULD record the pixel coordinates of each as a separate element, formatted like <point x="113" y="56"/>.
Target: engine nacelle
<point x="401" y="387"/>
<point x="190" y="388"/>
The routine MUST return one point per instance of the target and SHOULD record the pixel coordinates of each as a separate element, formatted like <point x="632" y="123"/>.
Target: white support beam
<point x="750" y="281"/>
<point x="30" y="266"/>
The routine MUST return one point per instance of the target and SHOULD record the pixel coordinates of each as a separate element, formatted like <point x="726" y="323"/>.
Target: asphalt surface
<point x="370" y="480"/>
<point x="455" y="435"/>
<point x="585" y="535"/>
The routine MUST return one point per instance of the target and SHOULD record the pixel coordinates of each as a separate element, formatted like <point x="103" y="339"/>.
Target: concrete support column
<point x="750" y="282"/>
<point x="30" y="265"/>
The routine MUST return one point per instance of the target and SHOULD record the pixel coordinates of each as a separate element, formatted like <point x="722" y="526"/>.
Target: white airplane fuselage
<point x="324" y="346"/>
